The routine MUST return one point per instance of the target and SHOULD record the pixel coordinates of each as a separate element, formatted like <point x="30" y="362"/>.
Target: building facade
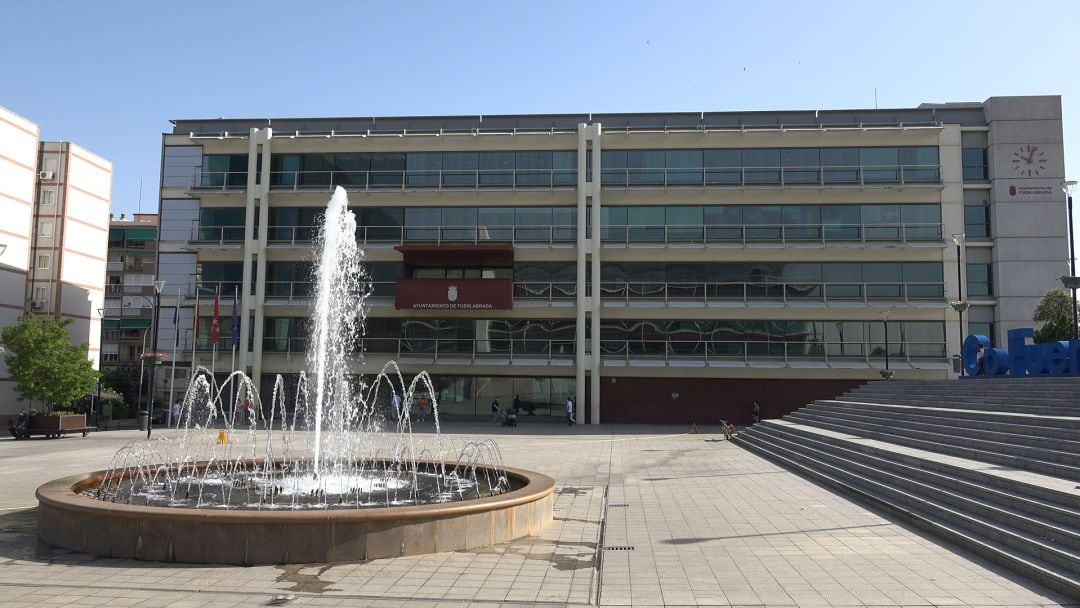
<point x="129" y="294"/>
<point x="656" y="267"/>
<point x="55" y="198"/>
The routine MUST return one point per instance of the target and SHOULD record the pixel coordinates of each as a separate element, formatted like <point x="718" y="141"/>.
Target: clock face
<point x="1029" y="161"/>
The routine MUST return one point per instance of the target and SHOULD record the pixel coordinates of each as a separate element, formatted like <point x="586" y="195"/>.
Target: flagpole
<point x="213" y="340"/>
<point x="172" y="375"/>
<point x="232" y="363"/>
<point x="194" y="333"/>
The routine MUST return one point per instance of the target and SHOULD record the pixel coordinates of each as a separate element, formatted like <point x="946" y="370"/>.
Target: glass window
<point x="533" y="169"/>
<point x="800" y="165"/>
<point x="387" y="170"/>
<point x="841" y="222"/>
<point x="921" y="222"/>
<point x="646" y="224"/>
<point x="459" y="224"/>
<point x="614" y="223"/>
<point x="422" y="223"/>
<point x="924" y="280"/>
<point x="975" y="165"/>
<point x="533" y="224"/>
<point x="981" y="329"/>
<point x="763" y="222"/>
<point x="495" y="223"/>
<point x="761" y="165"/>
<point x="381" y="223"/>
<point x="613" y="168"/>
<point x="840" y="165"/>
<point x="879" y="164"/>
<point x="920" y="163"/>
<point x="564" y="224"/>
<point x="684" y="167"/>
<point x="979" y="280"/>
<point x="723" y="223"/>
<point x="564" y="168"/>
<point x="882" y="222"/>
<point x="497" y="168"/>
<point x="684" y="223"/>
<point x="722" y="166"/>
<point x="801" y="222"/>
<point x="977" y="221"/>
<point x="423" y="169"/>
<point x="645" y="167"/>
<point x="459" y="169"/>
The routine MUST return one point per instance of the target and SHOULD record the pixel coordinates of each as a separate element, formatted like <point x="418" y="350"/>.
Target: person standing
<point x="757" y="412"/>
<point x="176" y="413"/>
<point x="570" y="411"/>
<point x="425" y="405"/>
<point x="495" y="409"/>
<point x="395" y="402"/>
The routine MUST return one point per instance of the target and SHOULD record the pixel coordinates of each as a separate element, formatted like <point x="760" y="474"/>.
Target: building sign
<point x="454" y="294"/>
<point x="1021" y="359"/>
<point x="1029" y="191"/>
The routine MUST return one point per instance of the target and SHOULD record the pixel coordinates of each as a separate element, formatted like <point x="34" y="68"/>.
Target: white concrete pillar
<point x="594" y="389"/>
<point x="263" y="196"/>
<point x="579" y="301"/>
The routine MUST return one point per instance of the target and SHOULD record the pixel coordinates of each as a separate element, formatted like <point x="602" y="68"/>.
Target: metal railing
<point x="626" y="177"/>
<point x="627" y="350"/>
<point x="779" y="291"/>
<point x="612" y="233"/>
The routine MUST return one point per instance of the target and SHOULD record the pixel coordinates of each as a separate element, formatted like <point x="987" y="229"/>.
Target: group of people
<point x="509" y="416"/>
<point x="422" y="407"/>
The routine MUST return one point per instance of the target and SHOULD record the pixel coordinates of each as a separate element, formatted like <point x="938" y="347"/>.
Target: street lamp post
<point x="958" y="240"/>
<point x="886" y="373"/>
<point x="1068" y="187"/>
<point x="158" y="286"/>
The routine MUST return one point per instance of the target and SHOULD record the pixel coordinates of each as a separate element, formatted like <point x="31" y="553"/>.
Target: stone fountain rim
<point x="63" y="494"/>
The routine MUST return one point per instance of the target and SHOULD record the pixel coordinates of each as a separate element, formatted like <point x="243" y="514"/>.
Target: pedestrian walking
<point x="495" y="409"/>
<point x="395" y="402"/>
<point x="757" y="412"/>
<point x="570" y="406"/>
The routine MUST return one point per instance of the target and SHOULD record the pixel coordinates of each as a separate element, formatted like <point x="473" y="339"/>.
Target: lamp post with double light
<point x="959" y="305"/>
<point x="1071" y="282"/>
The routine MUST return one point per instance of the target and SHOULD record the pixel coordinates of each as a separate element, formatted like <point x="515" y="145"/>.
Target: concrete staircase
<point x="992" y="465"/>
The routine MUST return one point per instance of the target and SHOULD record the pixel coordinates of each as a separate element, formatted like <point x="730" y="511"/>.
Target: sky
<point x="110" y="75"/>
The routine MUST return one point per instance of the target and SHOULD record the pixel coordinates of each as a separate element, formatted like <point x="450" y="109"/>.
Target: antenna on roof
<point x="875" y="97"/>
<point x="140" y="195"/>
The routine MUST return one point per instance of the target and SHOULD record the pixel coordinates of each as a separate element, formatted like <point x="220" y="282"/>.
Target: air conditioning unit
<point x="45" y="175"/>
<point x="35" y="305"/>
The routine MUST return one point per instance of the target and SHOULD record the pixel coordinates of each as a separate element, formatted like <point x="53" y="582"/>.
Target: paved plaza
<point x="644" y="516"/>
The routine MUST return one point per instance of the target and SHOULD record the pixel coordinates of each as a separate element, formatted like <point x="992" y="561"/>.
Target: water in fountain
<point x="346" y="448"/>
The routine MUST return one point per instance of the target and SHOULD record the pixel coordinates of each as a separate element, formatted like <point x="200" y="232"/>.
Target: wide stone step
<point x="1005" y="433"/>
<point x="938" y="519"/>
<point x="1013" y="426"/>
<point x="965" y="405"/>
<point x="999" y="398"/>
<point x="1067" y="426"/>
<point x="1039" y="487"/>
<point x="935" y="444"/>
<point x="973" y="499"/>
<point x="1045" y="509"/>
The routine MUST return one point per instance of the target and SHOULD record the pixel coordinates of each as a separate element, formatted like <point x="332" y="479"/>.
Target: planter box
<point x="57" y="423"/>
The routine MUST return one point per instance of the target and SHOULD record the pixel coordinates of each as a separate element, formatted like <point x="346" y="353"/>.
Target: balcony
<point x="611" y="234"/>
<point x="820" y="176"/>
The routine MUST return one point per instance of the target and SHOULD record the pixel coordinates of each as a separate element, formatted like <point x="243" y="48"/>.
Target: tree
<point x="1055" y="313"/>
<point x="44" y="363"/>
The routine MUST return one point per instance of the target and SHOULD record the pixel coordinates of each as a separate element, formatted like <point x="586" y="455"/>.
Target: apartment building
<point x="55" y="197"/>
<point x="657" y="267"/>
<point x="129" y="293"/>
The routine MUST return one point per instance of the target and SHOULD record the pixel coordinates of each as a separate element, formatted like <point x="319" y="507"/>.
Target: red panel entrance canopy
<point x="457" y="255"/>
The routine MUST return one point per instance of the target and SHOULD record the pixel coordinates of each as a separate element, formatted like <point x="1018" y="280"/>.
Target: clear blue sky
<point x="109" y="75"/>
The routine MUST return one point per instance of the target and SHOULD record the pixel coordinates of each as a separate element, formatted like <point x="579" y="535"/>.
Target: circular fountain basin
<point x="70" y="519"/>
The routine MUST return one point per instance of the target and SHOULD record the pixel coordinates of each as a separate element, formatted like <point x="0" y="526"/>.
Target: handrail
<point x="748" y="291"/>
<point x="704" y="234"/>
<point x="668" y="350"/>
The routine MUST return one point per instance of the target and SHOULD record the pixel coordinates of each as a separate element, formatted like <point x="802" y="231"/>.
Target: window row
<point x="621" y="336"/>
<point x="652" y="223"/>
<point x="619" y="168"/>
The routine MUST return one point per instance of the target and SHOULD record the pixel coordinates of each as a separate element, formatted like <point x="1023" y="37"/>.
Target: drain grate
<point x="618" y="504"/>
<point x="619" y="548"/>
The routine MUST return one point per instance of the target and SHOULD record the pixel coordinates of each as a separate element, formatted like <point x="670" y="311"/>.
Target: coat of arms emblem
<point x="451" y="293"/>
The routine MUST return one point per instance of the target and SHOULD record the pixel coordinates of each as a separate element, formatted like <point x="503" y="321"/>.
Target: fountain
<point x="338" y="476"/>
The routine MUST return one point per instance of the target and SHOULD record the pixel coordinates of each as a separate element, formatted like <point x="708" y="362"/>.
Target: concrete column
<point x="579" y="301"/>
<point x="594" y="392"/>
<point x="263" y="196"/>
<point x="249" y="247"/>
